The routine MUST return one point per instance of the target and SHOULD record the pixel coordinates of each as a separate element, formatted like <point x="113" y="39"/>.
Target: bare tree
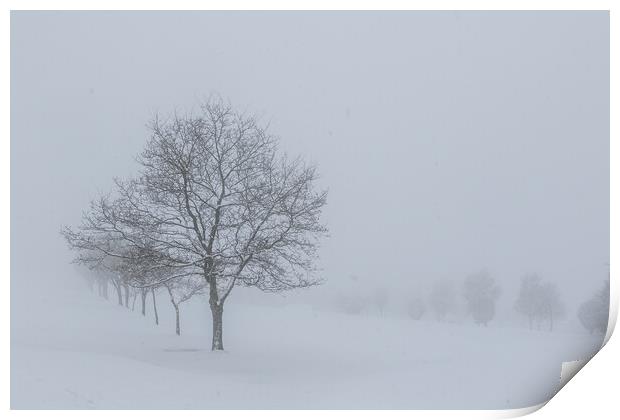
<point x="107" y="269"/>
<point x="117" y="281"/>
<point x="213" y="199"/>
<point x="155" y="306"/>
<point x="551" y="305"/>
<point x="126" y="272"/>
<point x="181" y="291"/>
<point x="144" y="291"/>
<point x="126" y="288"/>
<point x="135" y="296"/>
<point x="526" y="303"/>
<point x="539" y="301"/>
<point x="102" y="282"/>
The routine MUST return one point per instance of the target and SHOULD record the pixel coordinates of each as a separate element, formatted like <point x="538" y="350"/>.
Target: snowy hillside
<point x="91" y="353"/>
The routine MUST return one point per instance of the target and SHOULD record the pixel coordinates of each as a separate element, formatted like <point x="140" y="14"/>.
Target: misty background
<point x="449" y="141"/>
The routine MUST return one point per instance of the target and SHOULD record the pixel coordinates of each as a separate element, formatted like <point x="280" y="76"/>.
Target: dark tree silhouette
<point x="215" y="200"/>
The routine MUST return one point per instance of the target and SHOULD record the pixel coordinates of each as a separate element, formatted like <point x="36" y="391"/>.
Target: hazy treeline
<point x="476" y="298"/>
<point x="133" y="293"/>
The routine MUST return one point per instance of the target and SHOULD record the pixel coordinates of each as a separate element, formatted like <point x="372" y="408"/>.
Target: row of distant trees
<point x="128" y="286"/>
<point x="538" y="301"/>
<point x="479" y="292"/>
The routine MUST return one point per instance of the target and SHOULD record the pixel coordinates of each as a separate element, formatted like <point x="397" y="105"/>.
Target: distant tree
<point x="594" y="313"/>
<point x="539" y="301"/>
<point x="352" y="304"/>
<point x="526" y="303"/>
<point x="480" y="293"/>
<point x="605" y="294"/>
<point x="116" y="279"/>
<point x="589" y="314"/>
<point x="181" y="291"/>
<point x="100" y="278"/>
<point x="380" y="298"/>
<point x="417" y="308"/>
<point x="155" y="313"/>
<point x="127" y="291"/>
<point x="108" y="270"/>
<point x="131" y="272"/>
<point x="484" y="310"/>
<point x="85" y="274"/>
<point x="134" y="294"/>
<point x="551" y="305"/>
<point x="442" y="299"/>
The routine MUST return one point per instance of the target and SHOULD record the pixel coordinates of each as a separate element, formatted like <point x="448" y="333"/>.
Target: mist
<point x="449" y="142"/>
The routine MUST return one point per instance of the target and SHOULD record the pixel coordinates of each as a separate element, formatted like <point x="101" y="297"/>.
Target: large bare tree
<point x="213" y="199"/>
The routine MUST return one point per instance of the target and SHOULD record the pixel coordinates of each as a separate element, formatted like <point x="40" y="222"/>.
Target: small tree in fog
<point x="380" y="299"/>
<point x="480" y="293"/>
<point x="442" y="299"/>
<point x="539" y="301"/>
<point x="144" y="281"/>
<point x="551" y="305"/>
<point x="215" y="200"/>
<point x="94" y="278"/>
<point x="527" y="301"/>
<point x="182" y="291"/>
<point x="351" y="303"/>
<point x="416" y="308"/>
<point x="103" y="282"/>
<point x="594" y="313"/>
<point x="107" y="269"/>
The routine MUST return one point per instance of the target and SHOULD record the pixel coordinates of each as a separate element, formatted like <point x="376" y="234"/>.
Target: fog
<point x="450" y="142"/>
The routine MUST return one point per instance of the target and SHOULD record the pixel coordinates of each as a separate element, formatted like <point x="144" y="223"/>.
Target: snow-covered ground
<point x="77" y="350"/>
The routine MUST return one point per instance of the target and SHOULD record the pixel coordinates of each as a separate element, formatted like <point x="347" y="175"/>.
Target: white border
<point x="594" y="393"/>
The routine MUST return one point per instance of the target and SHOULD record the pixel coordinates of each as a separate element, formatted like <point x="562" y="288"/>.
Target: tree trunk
<point x="133" y="302"/>
<point x="178" y="320"/>
<point x="176" y="310"/>
<point x="529" y="318"/>
<point x="155" y="306"/>
<point x="550" y="320"/>
<point x="126" y="287"/>
<point x="143" y="293"/>
<point x="217" y="312"/>
<point x="119" y="293"/>
<point x="104" y="287"/>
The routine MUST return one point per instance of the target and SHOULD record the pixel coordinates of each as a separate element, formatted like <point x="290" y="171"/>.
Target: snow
<point x="80" y="351"/>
